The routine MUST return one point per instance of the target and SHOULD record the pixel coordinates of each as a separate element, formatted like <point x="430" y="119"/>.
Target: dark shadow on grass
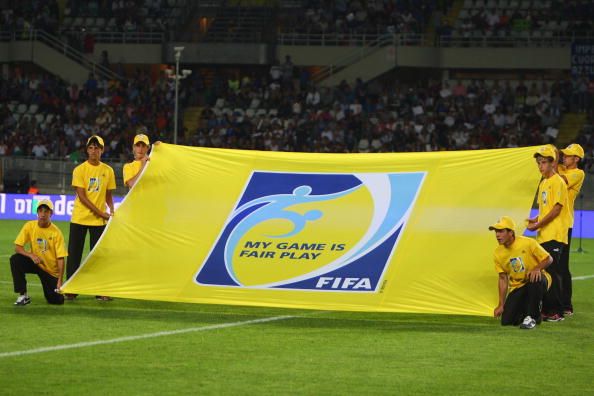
<point x="195" y="315"/>
<point x="392" y="322"/>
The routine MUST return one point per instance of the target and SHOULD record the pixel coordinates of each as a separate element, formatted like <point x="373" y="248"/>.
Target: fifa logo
<point x="302" y="231"/>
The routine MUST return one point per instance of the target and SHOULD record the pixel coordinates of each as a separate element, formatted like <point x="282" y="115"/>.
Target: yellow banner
<point x="404" y="232"/>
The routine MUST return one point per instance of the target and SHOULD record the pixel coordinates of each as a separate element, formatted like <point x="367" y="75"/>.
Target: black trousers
<point x="21" y="265"/>
<point x="524" y="301"/>
<point x="76" y="244"/>
<point x="567" y="290"/>
<point x="551" y="303"/>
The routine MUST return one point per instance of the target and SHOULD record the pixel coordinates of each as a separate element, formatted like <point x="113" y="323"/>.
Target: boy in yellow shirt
<point x="45" y="258"/>
<point x="132" y="170"/>
<point x="93" y="182"/>
<point x="520" y="263"/>
<point x="551" y="226"/>
<point x="574" y="178"/>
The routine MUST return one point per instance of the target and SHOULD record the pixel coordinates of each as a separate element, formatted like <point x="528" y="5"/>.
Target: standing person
<point x="520" y="263"/>
<point x="33" y="188"/>
<point x="132" y="170"/>
<point x="93" y="181"/>
<point x="574" y="178"/>
<point x="45" y="258"/>
<point x="551" y="226"/>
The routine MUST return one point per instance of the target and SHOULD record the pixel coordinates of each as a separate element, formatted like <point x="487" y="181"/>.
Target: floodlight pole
<point x="176" y="77"/>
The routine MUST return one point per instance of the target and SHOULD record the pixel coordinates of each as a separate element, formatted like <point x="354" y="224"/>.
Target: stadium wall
<point x="410" y="56"/>
<point x="130" y="53"/>
<point x="45" y="56"/>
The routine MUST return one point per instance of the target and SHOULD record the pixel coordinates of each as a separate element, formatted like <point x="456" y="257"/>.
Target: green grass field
<point x="111" y="348"/>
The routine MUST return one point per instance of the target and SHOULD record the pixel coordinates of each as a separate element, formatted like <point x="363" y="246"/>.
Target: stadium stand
<point x="23" y="15"/>
<point x="282" y="106"/>
<point x="46" y="118"/>
<point x="116" y="21"/>
<point x="520" y="22"/>
<point x="383" y="115"/>
<point x="346" y="22"/>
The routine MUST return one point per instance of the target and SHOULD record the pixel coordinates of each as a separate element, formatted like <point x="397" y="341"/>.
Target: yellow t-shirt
<point x="46" y="243"/>
<point x="550" y="192"/>
<point x="575" y="179"/>
<point x="519" y="259"/>
<point x="130" y="170"/>
<point x="96" y="180"/>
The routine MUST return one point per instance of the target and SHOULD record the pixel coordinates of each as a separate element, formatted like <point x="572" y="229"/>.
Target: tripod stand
<point x="579" y="249"/>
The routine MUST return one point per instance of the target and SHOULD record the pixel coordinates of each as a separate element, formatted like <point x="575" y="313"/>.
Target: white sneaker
<point x="528" y="323"/>
<point x="23" y="300"/>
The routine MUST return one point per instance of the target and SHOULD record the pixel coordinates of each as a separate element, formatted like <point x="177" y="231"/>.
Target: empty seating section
<point x="520" y="22"/>
<point x="123" y="16"/>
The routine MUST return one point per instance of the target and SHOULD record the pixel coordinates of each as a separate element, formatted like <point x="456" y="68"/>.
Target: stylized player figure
<point x="275" y="207"/>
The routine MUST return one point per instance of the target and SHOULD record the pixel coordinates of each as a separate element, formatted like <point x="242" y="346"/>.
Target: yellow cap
<point x="574" y="149"/>
<point x="503" y="223"/>
<point x="46" y="202"/>
<point x="546" y="151"/>
<point x="98" y="138"/>
<point x="141" y="137"/>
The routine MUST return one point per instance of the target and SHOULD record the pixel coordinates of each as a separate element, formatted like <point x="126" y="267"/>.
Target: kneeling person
<point x="46" y="256"/>
<point x="520" y="262"/>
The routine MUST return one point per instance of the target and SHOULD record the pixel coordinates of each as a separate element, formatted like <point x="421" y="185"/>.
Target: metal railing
<point x="515" y="40"/>
<point x="414" y="39"/>
<point x="148" y="37"/>
<point x="330" y="39"/>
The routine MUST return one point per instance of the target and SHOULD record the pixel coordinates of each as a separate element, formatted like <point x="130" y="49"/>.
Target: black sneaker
<point x="23" y="300"/>
<point x="528" y="323"/>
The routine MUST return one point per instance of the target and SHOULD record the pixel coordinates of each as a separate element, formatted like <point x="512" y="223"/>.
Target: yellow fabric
<point x="553" y="191"/>
<point x="168" y="239"/>
<point x="130" y="170"/>
<point x="575" y="179"/>
<point x="519" y="259"/>
<point x="96" y="180"/>
<point x="46" y="243"/>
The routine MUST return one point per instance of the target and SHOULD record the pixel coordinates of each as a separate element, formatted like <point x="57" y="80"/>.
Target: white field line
<point x="142" y="336"/>
<point x="582" y="277"/>
<point x="163" y="333"/>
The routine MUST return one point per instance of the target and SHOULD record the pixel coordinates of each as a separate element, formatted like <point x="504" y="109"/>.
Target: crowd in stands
<point x="280" y="112"/>
<point x="363" y="16"/>
<point x="22" y="15"/>
<point x="44" y="117"/>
